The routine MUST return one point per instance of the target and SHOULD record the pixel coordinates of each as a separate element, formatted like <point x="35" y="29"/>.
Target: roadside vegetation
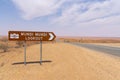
<point x="4" y="47"/>
<point x="4" y="44"/>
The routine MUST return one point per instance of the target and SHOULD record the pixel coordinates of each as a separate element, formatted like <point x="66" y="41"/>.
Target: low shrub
<point x="4" y="47"/>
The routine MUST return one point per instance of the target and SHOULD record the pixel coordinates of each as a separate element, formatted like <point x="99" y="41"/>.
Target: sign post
<point x="31" y="36"/>
<point x="41" y="52"/>
<point x="25" y="53"/>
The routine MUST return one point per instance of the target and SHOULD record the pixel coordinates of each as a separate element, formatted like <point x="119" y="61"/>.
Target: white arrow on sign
<point x="51" y="36"/>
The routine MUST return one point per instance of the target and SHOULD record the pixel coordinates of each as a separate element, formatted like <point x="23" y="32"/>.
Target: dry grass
<point x="90" y="39"/>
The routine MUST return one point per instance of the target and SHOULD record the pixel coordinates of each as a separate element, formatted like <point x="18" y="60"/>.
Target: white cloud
<point x="36" y="8"/>
<point x="99" y="19"/>
<point x="79" y="17"/>
<point x="75" y="14"/>
<point x="108" y="26"/>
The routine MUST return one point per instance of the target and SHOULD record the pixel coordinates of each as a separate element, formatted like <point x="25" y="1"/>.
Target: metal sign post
<point x="41" y="52"/>
<point x="31" y="36"/>
<point x="25" y="53"/>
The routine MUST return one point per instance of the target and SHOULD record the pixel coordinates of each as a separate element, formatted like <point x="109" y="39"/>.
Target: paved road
<point x="106" y="49"/>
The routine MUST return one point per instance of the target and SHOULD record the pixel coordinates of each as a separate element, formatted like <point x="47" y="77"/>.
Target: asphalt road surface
<point x="106" y="49"/>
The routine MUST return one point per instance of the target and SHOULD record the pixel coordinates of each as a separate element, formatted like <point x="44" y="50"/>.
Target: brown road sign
<point x="30" y="36"/>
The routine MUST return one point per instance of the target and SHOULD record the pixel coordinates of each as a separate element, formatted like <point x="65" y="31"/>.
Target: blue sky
<point x="99" y="18"/>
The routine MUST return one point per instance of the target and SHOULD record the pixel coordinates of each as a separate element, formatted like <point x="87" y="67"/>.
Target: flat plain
<point x="61" y="61"/>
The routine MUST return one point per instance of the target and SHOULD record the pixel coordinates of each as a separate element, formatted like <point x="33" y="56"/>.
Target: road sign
<point x="30" y="36"/>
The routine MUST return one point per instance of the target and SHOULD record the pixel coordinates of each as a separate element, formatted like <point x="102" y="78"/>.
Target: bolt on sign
<point x="30" y="36"/>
